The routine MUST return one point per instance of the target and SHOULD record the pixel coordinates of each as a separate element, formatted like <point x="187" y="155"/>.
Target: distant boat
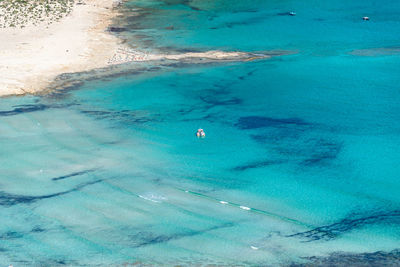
<point x="291" y="13"/>
<point x="365" y="18"/>
<point x="200" y="133"/>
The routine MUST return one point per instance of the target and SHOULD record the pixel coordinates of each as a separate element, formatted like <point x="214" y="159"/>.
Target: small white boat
<point x="200" y="133"/>
<point x="365" y="18"/>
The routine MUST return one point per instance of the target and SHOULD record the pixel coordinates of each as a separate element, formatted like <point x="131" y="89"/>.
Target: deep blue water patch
<point x="10" y="235"/>
<point x="7" y="199"/>
<point x="354" y="221"/>
<point x="37" y="229"/>
<point x="73" y="174"/>
<point x="125" y="116"/>
<point x="144" y="238"/>
<point x="321" y="152"/>
<point x="258" y="164"/>
<point x="255" y="122"/>
<point x="379" y="258"/>
<point x="23" y="109"/>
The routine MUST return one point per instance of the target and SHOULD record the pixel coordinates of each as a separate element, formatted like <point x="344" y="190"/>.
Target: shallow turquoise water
<point x="111" y="172"/>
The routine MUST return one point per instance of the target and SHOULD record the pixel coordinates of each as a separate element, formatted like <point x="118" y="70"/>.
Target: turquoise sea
<point x="300" y="165"/>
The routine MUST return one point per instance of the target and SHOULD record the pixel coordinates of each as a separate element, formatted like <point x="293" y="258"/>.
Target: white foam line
<point x="149" y="199"/>
<point x="267" y="213"/>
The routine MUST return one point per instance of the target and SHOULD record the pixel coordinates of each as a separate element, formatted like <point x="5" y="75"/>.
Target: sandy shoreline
<point x="32" y="57"/>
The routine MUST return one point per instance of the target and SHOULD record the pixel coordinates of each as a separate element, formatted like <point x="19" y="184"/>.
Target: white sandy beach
<point x="32" y="57"/>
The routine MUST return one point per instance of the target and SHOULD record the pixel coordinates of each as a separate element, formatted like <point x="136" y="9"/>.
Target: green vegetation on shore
<point x="20" y="13"/>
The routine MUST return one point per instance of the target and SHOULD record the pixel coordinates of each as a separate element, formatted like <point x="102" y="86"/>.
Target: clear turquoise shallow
<point x="111" y="173"/>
